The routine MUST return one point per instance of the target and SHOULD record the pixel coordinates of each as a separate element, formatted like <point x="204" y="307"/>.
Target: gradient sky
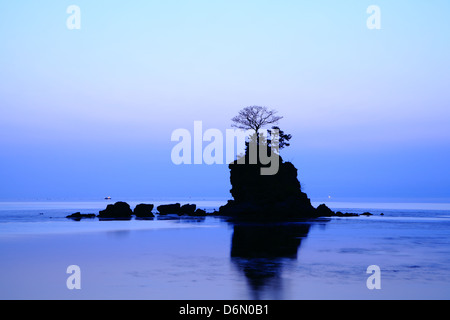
<point x="89" y="113"/>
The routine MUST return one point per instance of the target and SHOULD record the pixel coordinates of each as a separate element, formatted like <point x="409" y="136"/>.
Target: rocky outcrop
<point x="181" y="210"/>
<point x="187" y="209"/>
<point x="277" y="196"/>
<point x="324" y="211"/>
<point x="199" y="213"/>
<point x="143" y="211"/>
<point x="169" y="208"/>
<point x="118" y="211"/>
<point x="122" y="211"/>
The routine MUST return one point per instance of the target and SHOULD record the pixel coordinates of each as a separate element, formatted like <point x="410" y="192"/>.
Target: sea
<point x="401" y="252"/>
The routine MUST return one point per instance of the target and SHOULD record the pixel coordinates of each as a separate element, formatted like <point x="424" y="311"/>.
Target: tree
<point x="255" y="118"/>
<point x="283" y="138"/>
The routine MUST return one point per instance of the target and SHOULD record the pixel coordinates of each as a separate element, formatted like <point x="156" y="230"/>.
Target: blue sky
<point x="88" y="113"/>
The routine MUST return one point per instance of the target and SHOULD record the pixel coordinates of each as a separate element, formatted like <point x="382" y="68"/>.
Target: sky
<point x="88" y="113"/>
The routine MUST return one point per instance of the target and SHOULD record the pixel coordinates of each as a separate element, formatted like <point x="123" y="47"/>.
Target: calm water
<point x="210" y="258"/>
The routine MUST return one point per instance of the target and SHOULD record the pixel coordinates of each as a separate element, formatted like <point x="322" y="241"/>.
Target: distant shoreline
<point x="214" y="204"/>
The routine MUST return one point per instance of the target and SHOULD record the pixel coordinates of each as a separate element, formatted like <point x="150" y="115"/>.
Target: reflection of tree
<point x="261" y="250"/>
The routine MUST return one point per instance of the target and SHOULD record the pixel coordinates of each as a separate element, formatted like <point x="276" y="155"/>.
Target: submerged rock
<point x="181" y="210"/>
<point x="77" y="216"/>
<point x="347" y="214"/>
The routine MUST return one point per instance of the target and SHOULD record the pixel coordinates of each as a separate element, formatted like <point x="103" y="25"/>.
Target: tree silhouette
<point x="255" y="118"/>
<point x="283" y="138"/>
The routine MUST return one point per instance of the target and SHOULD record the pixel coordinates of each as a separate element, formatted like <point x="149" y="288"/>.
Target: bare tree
<point x="255" y="117"/>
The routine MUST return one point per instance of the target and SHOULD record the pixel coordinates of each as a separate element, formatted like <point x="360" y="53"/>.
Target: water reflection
<point x="262" y="250"/>
<point x="118" y="234"/>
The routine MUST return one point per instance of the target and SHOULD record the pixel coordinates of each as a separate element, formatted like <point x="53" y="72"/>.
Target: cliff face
<point x="277" y="196"/>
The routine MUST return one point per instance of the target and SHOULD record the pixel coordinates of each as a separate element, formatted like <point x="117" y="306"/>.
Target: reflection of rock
<point x="144" y="211"/>
<point x="77" y="216"/>
<point x="119" y="211"/>
<point x="268" y="240"/>
<point x="261" y="250"/>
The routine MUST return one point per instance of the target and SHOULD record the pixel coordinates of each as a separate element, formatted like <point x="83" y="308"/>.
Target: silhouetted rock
<point x="233" y="208"/>
<point x="188" y="209"/>
<point x="144" y="211"/>
<point x="77" y="216"/>
<point x="277" y="195"/>
<point x="169" y="208"/>
<point x="324" y="211"/>
<point x="366" y="214"/>
<point x="199" y="213"/>
<point x="347" y="214"/>
<point x="118" y="211"/>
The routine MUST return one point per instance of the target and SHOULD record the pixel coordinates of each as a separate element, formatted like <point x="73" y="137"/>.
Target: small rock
<point x="199" y="213"/>
<point x="144" y="211"/>
<point x="169" y="208"/>
<point x="188" y="209"/>
<point x="77" y="216"/>
<point x="324" y="211"/>
<point x="118" y="211"/>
